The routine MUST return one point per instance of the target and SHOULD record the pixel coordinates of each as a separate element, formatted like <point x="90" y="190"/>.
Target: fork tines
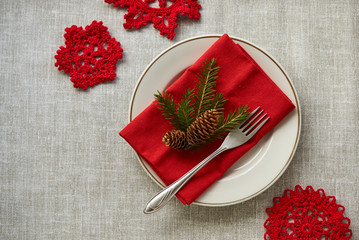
<point x="250" y="129"/>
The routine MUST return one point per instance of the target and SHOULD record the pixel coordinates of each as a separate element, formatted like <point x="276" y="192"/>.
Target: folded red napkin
<point x="241" y="81"/>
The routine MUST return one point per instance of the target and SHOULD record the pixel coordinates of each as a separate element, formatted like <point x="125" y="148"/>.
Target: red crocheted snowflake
<point x="90" y="55"/>
<point x="163" y="17"/>
<point x="306" y="215"/>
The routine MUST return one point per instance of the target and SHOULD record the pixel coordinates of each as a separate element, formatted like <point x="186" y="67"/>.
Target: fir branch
<point x="233" y="120"/>
<point x="197" y="101"/>
<point x="168" y="108"/>
<point x="185" y="110"/>
<point x="204" y="90"/>
<point x="218" y="102"/>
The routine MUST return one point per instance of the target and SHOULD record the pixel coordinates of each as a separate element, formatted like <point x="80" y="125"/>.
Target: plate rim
<point x="298" y="109"/>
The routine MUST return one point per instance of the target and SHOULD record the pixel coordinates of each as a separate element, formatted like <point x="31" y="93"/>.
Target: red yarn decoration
<point x="306" y="215"/>
<point x="90" y="55"/>
<point x="164" y="18"/>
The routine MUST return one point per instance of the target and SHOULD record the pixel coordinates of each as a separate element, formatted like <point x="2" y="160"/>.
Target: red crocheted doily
<point x="90" y="55"/>
<point x="163" y="16"/>
<point x="306" y="215"/>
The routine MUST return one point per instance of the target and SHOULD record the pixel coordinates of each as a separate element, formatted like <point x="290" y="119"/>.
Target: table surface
<point x="66" y="174"/>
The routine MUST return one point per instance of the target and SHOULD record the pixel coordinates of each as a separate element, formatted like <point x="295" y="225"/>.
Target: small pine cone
<point x="203" y="127"/>
<point x="175" y="139"/>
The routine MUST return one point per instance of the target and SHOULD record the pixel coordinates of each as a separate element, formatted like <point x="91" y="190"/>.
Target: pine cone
<point x="203" y="127"/>
<point x="175" y="139"/>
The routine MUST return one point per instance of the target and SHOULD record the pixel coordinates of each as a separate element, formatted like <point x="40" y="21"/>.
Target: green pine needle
<point x="233" y="120"/>
<point x="218" y="102"/>
<point x="168" y="108"/>
<point x="185" y="110"/>
<point x="204" y="90"/>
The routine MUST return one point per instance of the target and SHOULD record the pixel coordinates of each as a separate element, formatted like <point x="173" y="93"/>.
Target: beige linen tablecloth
<point x="66" y="174"/>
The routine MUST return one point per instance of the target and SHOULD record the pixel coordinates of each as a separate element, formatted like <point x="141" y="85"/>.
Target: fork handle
<point x="162" y="198"/>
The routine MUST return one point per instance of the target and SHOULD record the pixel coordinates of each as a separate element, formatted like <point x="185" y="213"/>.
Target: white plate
<point x="262" y="165"/>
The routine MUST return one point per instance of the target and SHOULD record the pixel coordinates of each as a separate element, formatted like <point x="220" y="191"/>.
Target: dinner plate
<point x="259" y="168"/>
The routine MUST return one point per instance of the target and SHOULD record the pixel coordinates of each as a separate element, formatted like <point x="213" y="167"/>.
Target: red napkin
<point x="241" y="81"/>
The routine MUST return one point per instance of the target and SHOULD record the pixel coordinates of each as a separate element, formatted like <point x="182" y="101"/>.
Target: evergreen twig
<point x="233" y="120"/>
<point x="218" y="102"/>
<point x="185" y="110"/>
<point x="204" y="90"/>
<point x="168" y="108"/>
<point x="199" y="100"/>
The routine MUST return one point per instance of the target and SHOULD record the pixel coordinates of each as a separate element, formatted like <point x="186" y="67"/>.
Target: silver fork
<point x="235" y="138"/>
